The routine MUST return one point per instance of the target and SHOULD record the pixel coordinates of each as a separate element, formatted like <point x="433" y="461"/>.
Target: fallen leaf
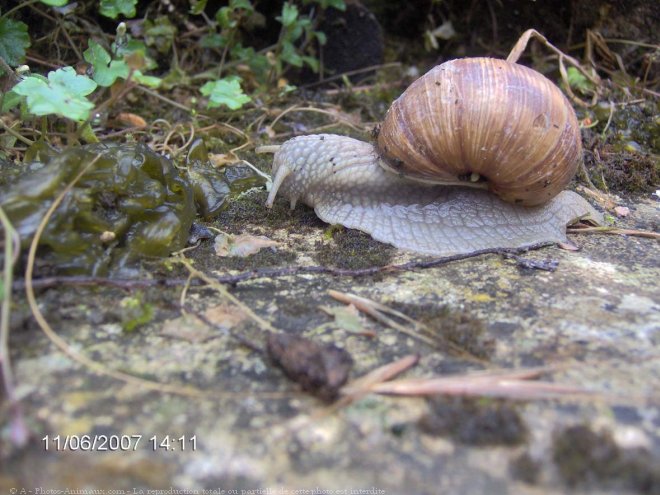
<point x="348" y="318"/>
<point x="187" y="328"/>
<point x="131" y="120"/>
<point x="622" y="211"/>
<point x="241" y="245"/>
<point x="568" y="246"/>
<point x="320" y="369"/>
<point x="225" y="316"/>
<point x="222" y="159"/>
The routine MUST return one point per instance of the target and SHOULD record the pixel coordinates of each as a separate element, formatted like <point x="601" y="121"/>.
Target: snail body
<point x="343" y="180"/>
<point x="502" y="130"/>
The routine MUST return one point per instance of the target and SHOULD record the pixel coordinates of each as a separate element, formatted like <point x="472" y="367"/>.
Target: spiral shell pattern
<point x="484" y="119"/>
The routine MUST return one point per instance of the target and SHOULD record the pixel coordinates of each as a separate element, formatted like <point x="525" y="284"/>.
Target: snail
<point x="473" y="155"/>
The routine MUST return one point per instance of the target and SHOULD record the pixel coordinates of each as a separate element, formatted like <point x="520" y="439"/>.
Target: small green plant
<point x="14" y="41"/>
<point x="63" y="93"/>
<point x="292" y="49"/>
<point x="71" y="95"/>
<point x="225" y="92"/>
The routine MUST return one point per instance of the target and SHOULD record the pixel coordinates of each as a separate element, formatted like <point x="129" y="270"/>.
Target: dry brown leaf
<point x="222" y="159"/>
<point x="348" y="318"/>
<point x="241" y="245"/>
<point x="225" y="316"/>
<point x="131" y="120"/>
<point x="188" y="328"/>
<point x="622" y="211"/>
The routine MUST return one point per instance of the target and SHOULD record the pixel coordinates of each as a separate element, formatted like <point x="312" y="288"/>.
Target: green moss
<point x="135" y="312"/>
<point x="264" y="258"/>
<point x="474" y="422"/>
<point x="250" y="209"/>
<point x="632" y="127"/>
<point x="585" y="458"/>
<point x="626" y="171"/>
<point x="353" y="250"/>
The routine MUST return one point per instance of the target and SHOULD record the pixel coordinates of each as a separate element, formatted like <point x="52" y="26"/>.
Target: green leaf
<point x="258" y="62"/>
<point x="149" y="81"/>
<point x="106" y="70"/>
<point x="63" y="93"/>
<point x="14" y="40"/>
<point x="159" y="33"/>
<point x="197" y="6"/>
<point x="290" y="55"/>
<point x="289" y="14"/>
<point x="134" y="46"/>
<point x="578" y="81"/>
<point x="225" y="19"/>
<point x="9" y="100"/>
<point x="225" y="92"/>
<point x="113" y="8"/>
<point x="321" y="37"/>
<point x="337" y="4"/>
<point x="213" y="40"/>
<point x="241" y="4"/>
<point x="55" y="3"/>
<point x="312" y="62"/>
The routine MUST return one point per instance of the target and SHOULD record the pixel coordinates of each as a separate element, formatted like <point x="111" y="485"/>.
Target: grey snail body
<point x="474" y="155"/>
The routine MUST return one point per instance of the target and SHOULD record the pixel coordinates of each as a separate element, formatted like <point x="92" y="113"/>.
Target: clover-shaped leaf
<point x="106" y="70"/>
<point x="63" y="93"/>
<point x="226" y="92"/>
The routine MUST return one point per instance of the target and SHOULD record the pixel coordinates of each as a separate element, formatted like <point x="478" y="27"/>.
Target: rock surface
<point x="596" y="317"/>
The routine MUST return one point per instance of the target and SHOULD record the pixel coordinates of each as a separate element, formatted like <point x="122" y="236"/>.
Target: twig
<point x="129" y="283"/>
<point x="614" y="230"/>
<point x="163" y="98"/>
<point x="215" y="284"/>
<point x="19" y="433"/>
<point x="379" y="311"/>
<point x="16" y="134"/>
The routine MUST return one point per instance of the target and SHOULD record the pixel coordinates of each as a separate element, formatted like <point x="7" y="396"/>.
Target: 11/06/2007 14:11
<point x="109" y="443"/>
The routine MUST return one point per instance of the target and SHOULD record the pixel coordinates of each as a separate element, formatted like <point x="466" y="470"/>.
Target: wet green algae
<point x="131" y="203"/>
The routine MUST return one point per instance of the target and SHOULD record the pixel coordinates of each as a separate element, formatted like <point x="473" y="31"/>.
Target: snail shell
<point x="343" y="180"/>
<point x="484" y="119"/>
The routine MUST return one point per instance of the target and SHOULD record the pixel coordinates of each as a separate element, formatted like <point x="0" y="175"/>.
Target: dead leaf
<point x="222" y="159"/>
<point x="320" y="369"/>
<point x="241" y="245"/>
<point x="348" y="318"/>
<point x="225" y="316"/>
<point x="568" y="246"/>
<point x="187" y="328"/>
<point x="622" y="211"/>
<point x="131" y="120"/>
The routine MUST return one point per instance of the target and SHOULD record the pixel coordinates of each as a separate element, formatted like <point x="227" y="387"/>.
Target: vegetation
<point x="118" y="62"/>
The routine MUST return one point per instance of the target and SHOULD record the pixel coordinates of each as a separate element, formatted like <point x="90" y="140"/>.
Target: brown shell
<point x="503" y="121"/>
